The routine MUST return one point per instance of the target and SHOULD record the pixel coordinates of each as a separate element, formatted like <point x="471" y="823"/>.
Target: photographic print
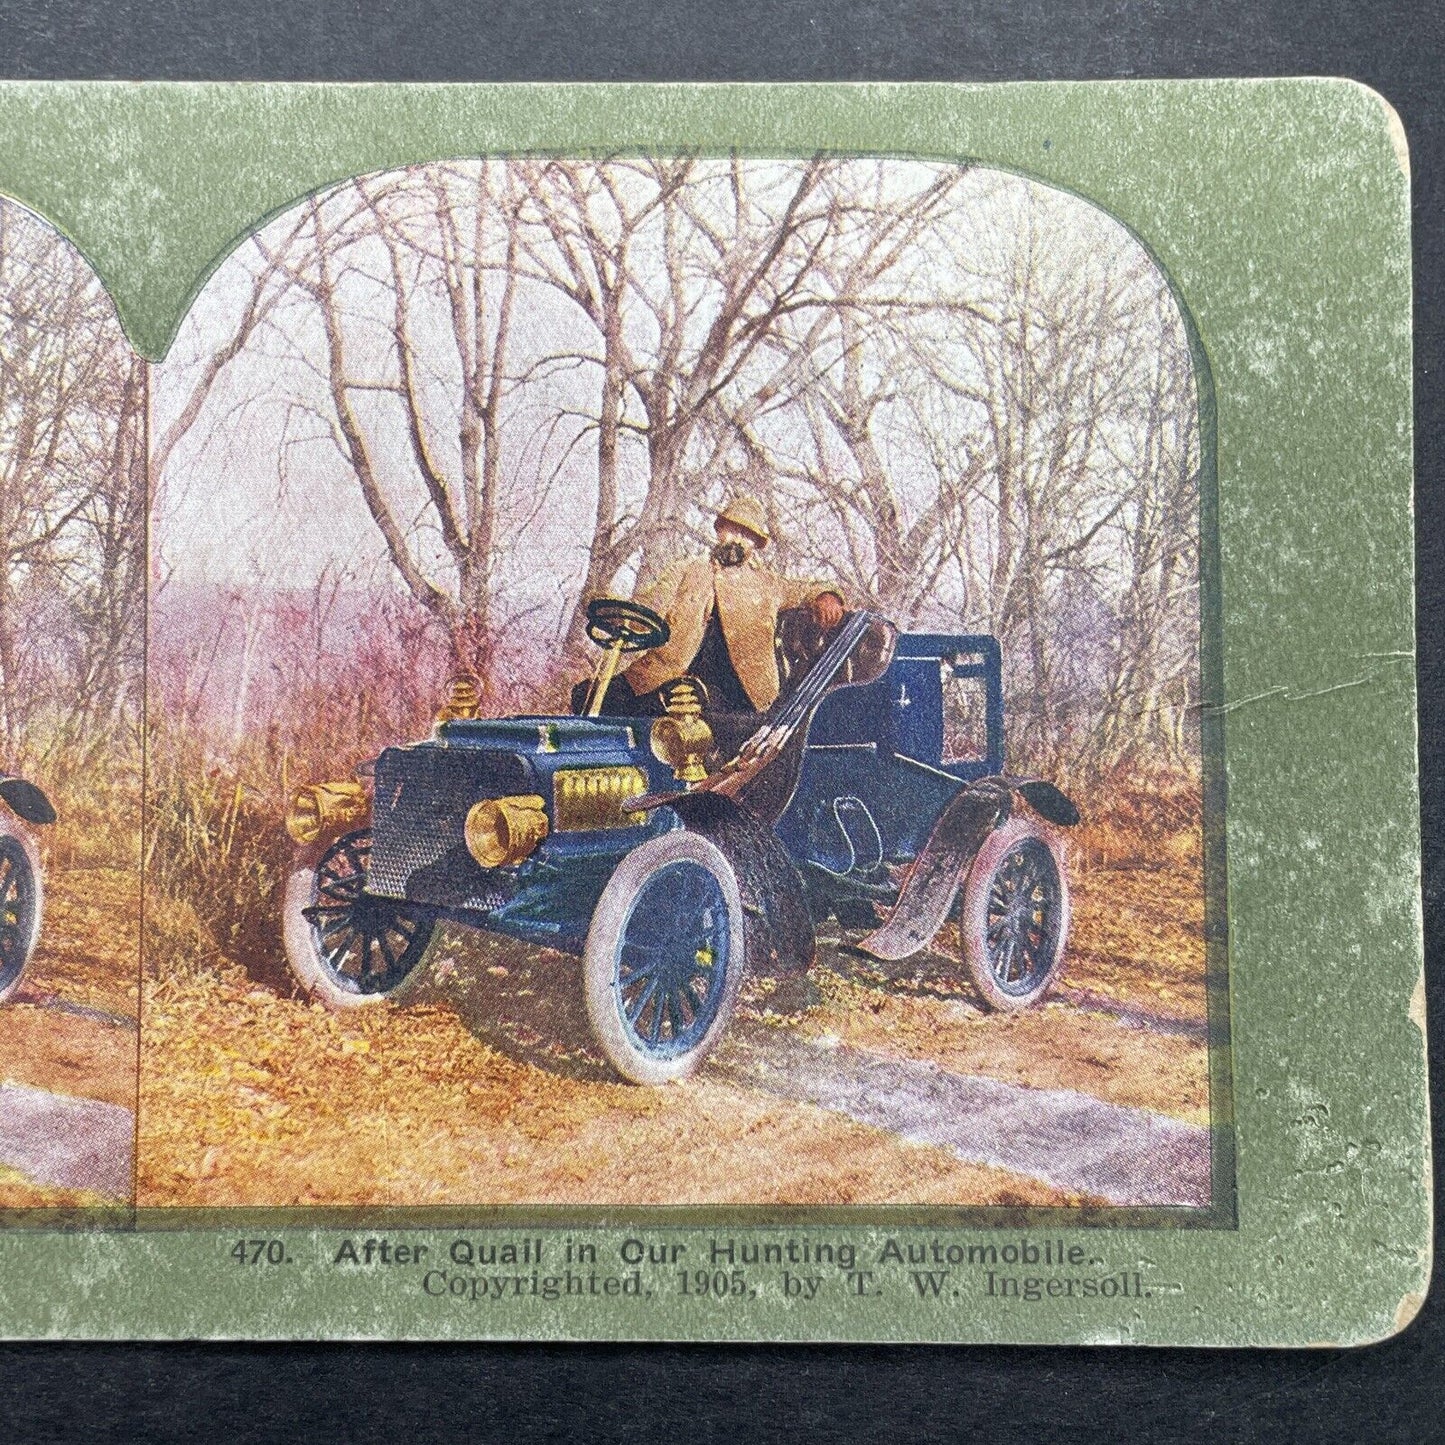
<point x="72" y="597"/>
<point x="719" y="624"/>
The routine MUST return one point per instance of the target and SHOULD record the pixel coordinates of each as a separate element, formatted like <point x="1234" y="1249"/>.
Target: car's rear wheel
<point x="347" y="948"/>
<point x="1013" y="915"/>
<point x="20" y="905"/>
<point x="664" y="958"/>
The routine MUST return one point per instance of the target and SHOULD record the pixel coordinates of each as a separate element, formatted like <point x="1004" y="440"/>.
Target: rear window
<point x="965" y="717"/>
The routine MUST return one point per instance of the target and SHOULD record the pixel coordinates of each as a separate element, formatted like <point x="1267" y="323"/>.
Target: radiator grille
<point x="419" y="812"/>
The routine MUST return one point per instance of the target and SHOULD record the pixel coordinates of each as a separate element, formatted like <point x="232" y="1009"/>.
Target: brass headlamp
<point x="503" y="831"/>
<point x="321" y="809"/>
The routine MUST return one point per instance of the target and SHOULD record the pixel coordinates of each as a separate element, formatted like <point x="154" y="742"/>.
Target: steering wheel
<point x="614" y="622"/>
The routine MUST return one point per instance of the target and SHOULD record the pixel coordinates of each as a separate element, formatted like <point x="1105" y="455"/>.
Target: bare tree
<point x="72" y="499"/>
<point x="965" y="397"/>
<point x="267" y="284"/>
<point x="1054" y="383"/>
<point x="107" y="580"/>
<point x="842" y="366"/>
<point x="1152" y="679"/>
<point x="380" y="244"/>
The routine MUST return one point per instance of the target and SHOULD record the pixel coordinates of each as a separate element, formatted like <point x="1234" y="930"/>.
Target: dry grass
<point x="98" y="823"/>
<point x="1149" y="821"/>
<point x="89" y="951"/>
<point x="1136" y="870"/>
<point x="216" y="860"/>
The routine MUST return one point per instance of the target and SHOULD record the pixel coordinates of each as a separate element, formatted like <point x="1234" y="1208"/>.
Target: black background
<point x="705" y="1393"/>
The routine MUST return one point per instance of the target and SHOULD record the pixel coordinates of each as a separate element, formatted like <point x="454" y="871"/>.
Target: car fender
<point x="25" y="799"/>
<point x="778" y="926"/>
<point x="935" y="875"/>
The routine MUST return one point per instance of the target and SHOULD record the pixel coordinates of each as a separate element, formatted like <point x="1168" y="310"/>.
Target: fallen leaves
<point x="251" y="1101"/>
<point x="89" y="949"/>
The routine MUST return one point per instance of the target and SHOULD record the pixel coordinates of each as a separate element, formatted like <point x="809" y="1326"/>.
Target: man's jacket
<point x="749" y="598"/>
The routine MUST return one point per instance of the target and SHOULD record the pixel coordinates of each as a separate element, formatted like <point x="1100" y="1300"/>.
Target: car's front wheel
<point x="665" y="957"/>
<point x="20" y="905"/>
<point x="347" y="948"/>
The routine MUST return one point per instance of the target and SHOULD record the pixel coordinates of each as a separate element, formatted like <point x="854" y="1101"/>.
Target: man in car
<point x="722" y="610"/>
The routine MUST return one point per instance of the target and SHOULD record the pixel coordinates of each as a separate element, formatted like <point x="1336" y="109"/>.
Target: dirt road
<point x="879" y="1084"/>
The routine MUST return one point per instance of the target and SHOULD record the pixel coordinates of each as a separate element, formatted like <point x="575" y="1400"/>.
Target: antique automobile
<point x="676" y="853"/>
<point x="20" y="889"/>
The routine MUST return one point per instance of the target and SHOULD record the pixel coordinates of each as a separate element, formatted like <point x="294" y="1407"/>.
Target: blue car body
<point x="872" y="783"/>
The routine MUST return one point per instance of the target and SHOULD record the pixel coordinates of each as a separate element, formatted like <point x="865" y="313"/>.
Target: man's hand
<point x="827" y="610"/>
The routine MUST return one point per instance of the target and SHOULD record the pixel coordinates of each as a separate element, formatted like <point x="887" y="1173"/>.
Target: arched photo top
<point x="154" y="224"/>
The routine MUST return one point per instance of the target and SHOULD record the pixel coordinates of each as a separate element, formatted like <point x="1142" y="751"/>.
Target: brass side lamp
<point x="323" y="810"/>
<point x="683" y="739"/>
<point x="463" y="699"/>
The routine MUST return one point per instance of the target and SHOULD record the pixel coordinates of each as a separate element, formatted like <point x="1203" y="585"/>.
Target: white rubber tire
<point x="306" y="968"/>
<point x="11" y="829"/>
<point x="972" y="913"/>
<point x="599" y="960"/>
<point x="300" y="943"/>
